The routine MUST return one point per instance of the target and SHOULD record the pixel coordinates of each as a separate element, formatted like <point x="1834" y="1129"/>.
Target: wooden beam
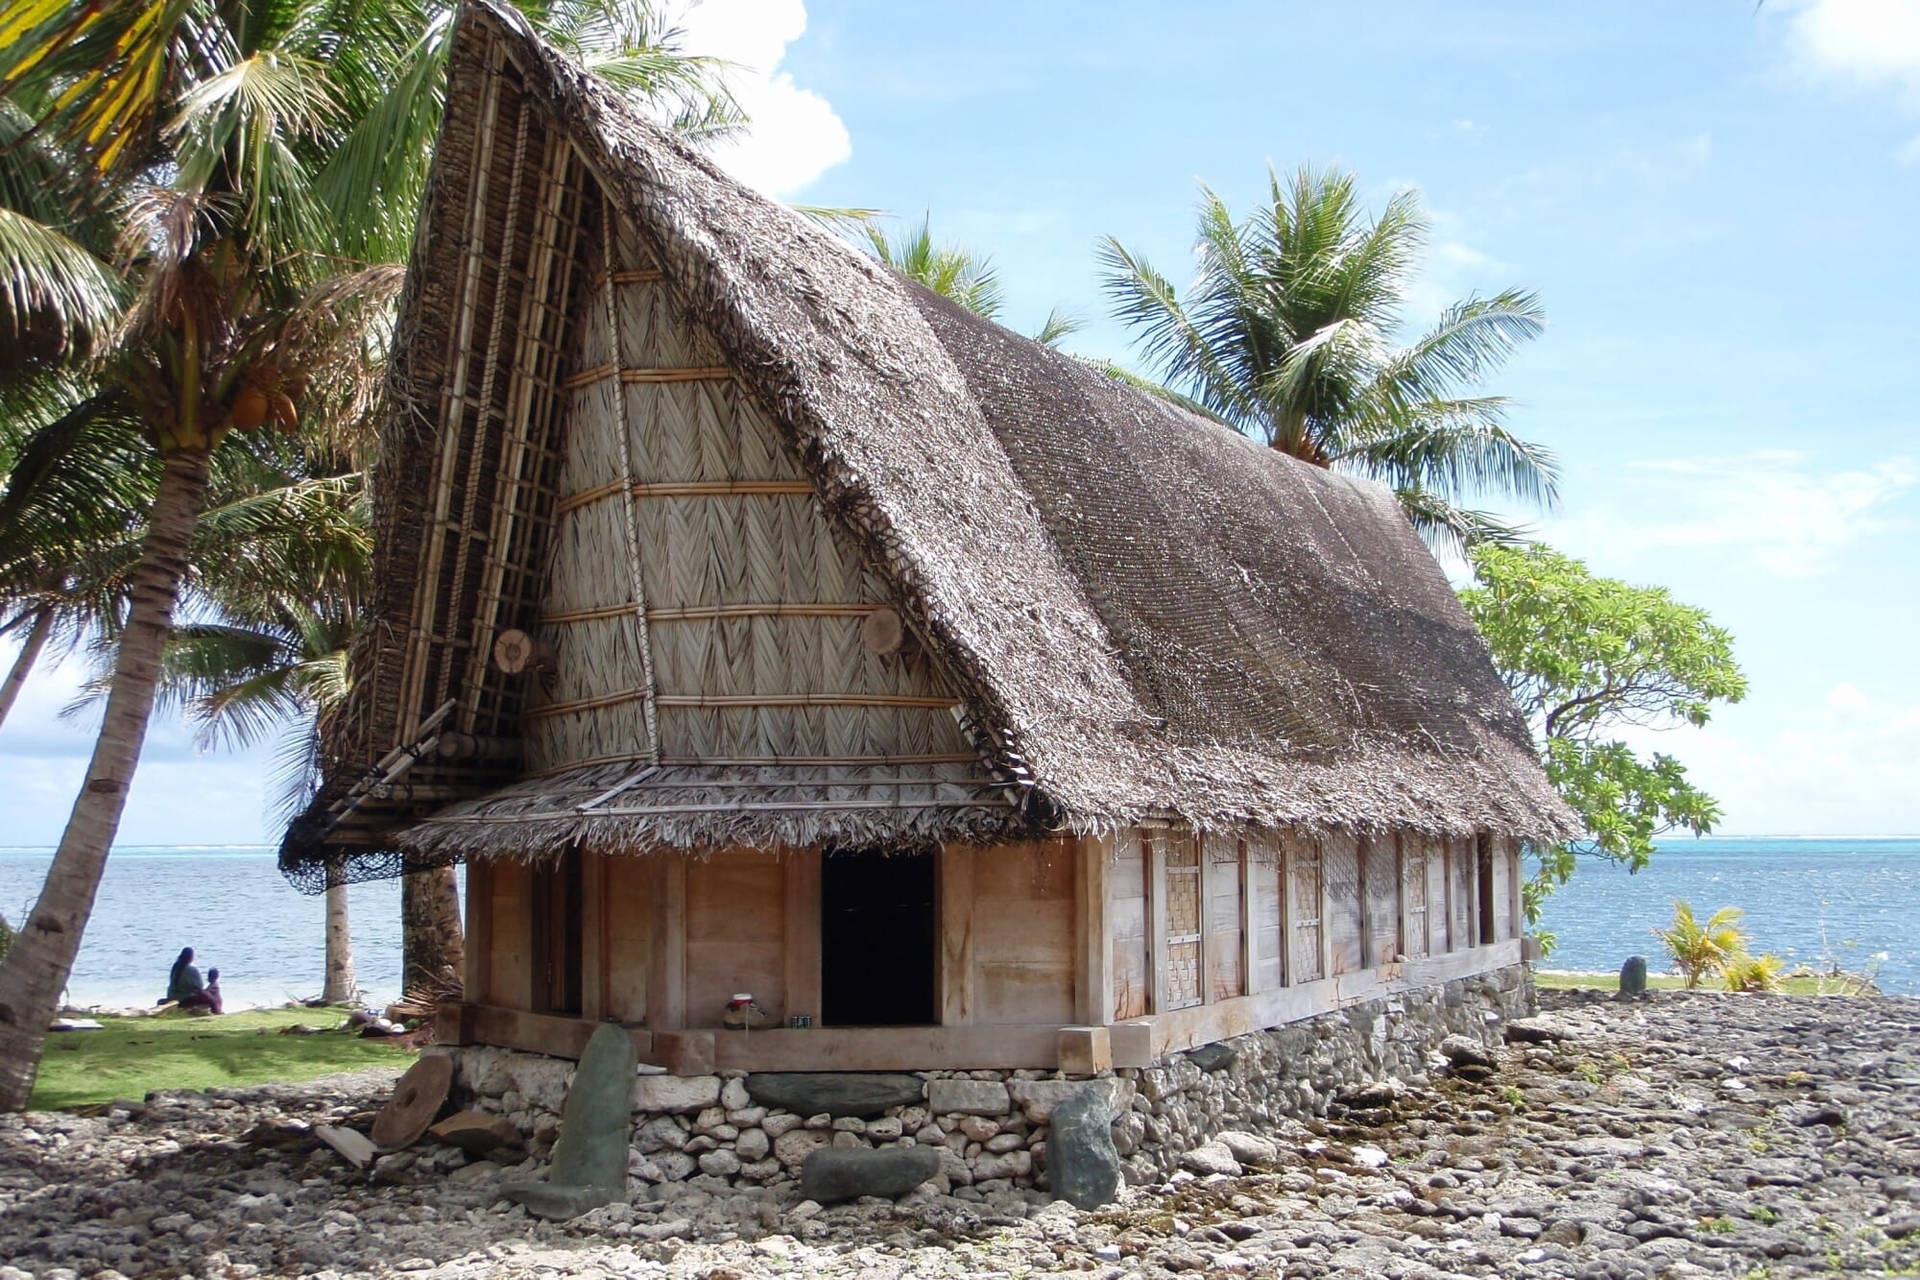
<point x="955" y="979"/>
<point x="1153" y="843"/>
<point x="1287" y="918"/>
<point x="1093" y="930"/>
<point x="1326" y="916"/>
<point x="593" y="936"/>
<point x="479" y="943"/>
<point x="667" y="988"/>
<point x="803" y="933"/>
<point x="1249" y="934"/>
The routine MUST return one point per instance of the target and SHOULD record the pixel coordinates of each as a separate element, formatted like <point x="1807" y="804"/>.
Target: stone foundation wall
<point x="992" y="1125"/>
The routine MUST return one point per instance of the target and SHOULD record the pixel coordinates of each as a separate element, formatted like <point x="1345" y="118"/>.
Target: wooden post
<point x="1326" y="915"/>
<point x="956" y="936"/>
<point x="1154" y="845"/>
<point x="593" y="936"/>
<point x="1093" y="931"/>
<point x="1249" y="939"/>
<point x="667" y="991"/>
<point x="1516" y="908"/>
<point x="479" y="981"/>
<point x="1287" y="921"/>
<point x="803" y="932"/>
<point x="1363" y="862"/>
<point x="1400" y="879"/>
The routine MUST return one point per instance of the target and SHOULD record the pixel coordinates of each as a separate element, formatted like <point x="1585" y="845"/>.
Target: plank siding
<point x="1223" y="948"/>
<point x="1342" y="870"/>
<point x="1023" y="923"/>
<point x="735" y="934"/>
<point x="627" y="884"/>
<point x="1306" y="955"/>
<point x="1380" y="869"/>
<point x="1127" y="912"/>
<point x="1266" y="911"/>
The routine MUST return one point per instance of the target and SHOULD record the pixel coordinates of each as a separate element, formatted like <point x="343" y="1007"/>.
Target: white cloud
<point x="1849" y="766"/>
<point x="1870" y="44"/>
<point x="795" y="136"/>
<point x="1774" y="508"/>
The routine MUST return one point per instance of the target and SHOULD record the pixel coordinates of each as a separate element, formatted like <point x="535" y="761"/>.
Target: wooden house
<point x="750" y="619"/>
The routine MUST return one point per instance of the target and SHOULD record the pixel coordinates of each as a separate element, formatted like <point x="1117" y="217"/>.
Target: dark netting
<point x="313" y="868"/>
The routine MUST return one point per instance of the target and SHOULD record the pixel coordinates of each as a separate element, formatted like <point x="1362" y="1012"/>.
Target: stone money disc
<point x="415" y="1102"/>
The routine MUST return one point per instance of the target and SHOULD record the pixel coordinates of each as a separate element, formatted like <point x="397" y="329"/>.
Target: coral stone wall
<point x="992" y="1125"/>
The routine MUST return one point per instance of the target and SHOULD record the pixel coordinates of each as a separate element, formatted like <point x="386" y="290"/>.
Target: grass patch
<point x="130" y="1057"/>
<point x="1801" y="986"/>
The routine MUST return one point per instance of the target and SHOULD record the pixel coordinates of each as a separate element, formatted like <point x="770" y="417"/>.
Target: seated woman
<point x="184" y="987"/>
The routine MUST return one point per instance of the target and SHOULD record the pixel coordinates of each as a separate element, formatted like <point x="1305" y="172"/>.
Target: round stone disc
<point x="415" y="1102"/>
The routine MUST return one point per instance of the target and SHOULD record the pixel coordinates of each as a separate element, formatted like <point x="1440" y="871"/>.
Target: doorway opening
<point x="876" y="939"/>
<point x="1483" y="848"/>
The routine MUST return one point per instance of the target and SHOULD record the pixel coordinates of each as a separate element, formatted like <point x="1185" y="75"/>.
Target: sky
<point x="1716" y="202"/>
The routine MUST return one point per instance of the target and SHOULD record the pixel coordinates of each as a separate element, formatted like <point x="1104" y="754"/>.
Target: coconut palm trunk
<point x="432" y="941"/>
<point x="29" y="654"/>
<point x="36" y="968"/>
<point x="341" y="987"/>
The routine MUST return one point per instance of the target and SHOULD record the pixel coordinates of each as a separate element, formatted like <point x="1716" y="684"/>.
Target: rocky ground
<point x="1690" y="1135"/>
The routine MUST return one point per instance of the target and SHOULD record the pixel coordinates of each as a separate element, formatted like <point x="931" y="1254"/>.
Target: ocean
<point x="1812" y="901"/>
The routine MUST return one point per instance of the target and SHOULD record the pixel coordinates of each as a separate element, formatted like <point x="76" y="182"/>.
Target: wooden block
<point x="1130" y="1044"/>
<point x="684" y="1053"/>
<point x="453" y="1024"/>
<point x="1085" y="1051"/>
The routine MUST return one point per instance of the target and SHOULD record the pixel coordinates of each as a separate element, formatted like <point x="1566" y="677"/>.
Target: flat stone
<point x="354" y="1146"/>
<point x="837" y="1093"/>
<point x="847" y="1173"/>
<point x="1544" y="1029"/>
<point x="1038" y="1098"/>
<point x="597" y="1124"/>
<point x="1249" y="1148"/>
<point x="683" y="1094"/>
<point x="1213" y="1057"/>
<point x="558" y="1203"/>
<point x="1083" y="1168"/>
<point x="1210" y="1158"/>
<point x="1464" y="1051"/>
<point x="477" y="1133"/>
<point x="968" y="1098"/>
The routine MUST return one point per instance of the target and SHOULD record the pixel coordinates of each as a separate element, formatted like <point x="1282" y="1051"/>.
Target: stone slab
<point x="683" y="1094"/>
<point x="846" y="1173"/>
<point x="1038" y="1098"/>
<point x="968" y="1098"/>
<point x="837" y="1093"/>
<point x="597" y="1124"/>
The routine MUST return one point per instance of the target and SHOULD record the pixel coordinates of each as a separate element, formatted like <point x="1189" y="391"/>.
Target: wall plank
<point x="1342" y="860"/>
<point x="511" y="979"/>
<point x="1127" y="910"/>
<point x="736" y="917"/>
<point x="1266" y="913"/>
<point x="956" y="968"/>
<point x="1220" y="883"/>
<point x="627" y="883"/>
<point x="1024" y="904"/>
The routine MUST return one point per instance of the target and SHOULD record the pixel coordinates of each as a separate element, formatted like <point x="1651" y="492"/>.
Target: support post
<point x="667" y="993"/>
<point x="803" y="932"/>
<point x="1093" y="931"/>
<point x="479" y="983"/>
<point x="956" y="936"/>
<point x="1249" y="937"/>
<point x="593" y="936"/>
<point x="1154" y="845"/>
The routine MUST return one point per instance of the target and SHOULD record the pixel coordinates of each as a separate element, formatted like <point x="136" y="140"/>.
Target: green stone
<point x="597" y="1123"/>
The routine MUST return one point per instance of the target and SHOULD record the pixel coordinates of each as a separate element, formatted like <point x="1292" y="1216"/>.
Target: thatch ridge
<point x="1031" y="518"/>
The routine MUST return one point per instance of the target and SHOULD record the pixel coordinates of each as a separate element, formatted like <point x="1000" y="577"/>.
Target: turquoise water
<point x="1810" y="900"/>
<point x="239" y="915"/>
<point x="231" y="905"/>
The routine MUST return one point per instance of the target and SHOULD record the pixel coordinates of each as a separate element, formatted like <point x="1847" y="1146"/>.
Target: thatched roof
<point x="1144" y="614"/>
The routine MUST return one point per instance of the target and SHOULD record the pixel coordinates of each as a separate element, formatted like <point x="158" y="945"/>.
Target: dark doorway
<point x="557" y="899"/>
<point x="876" y="939"/>
<point x="1483" y="848"/>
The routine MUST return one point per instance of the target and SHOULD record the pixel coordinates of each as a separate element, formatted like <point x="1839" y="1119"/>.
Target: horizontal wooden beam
<point x="604" y="372"/>
<point x="684" y="489"/>
<point x="725" y="701"/>
<point x="711" y="612"/>
<point x="753" y="762"/>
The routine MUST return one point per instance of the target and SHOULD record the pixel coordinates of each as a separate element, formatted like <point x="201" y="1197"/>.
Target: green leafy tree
<point x="1287" y="333"/>
<point x="1586" y="657"/>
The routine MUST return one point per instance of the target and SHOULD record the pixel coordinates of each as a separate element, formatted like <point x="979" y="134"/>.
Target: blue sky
<point x="1717" y="206"/>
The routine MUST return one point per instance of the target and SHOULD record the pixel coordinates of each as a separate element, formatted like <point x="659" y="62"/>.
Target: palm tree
<point x="954" y="272"/>
<point x="1287" y="333"/>
<point x="261" y="161"/>
<point x="1699" y="950"/>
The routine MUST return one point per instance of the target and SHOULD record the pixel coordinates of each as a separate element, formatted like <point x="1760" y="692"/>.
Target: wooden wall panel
<point x="1127" y="908"/>
<point x="1461" y="892"/>
<point x="1266" y="911"/>
<point x="1416" y="933"/>
<point x="1024" y="908"/>
<point x="1437" y="938"/>
<point x="736" y="934"/>
<point x="626" y="883"/>
<point x="1342" y="869"/>
<point x="1182" y="969"/>
<point x="1502" y="892"/>
<point x="1221" y="883"/>
<point x="510" y="977"/>
<point x="1306" y="954"/>
<point x="1380" y="879"/>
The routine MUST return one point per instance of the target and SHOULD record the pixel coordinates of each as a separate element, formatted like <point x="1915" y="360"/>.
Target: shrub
<point x="1753" y="973"/>
<point x="1698" y="950"/>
